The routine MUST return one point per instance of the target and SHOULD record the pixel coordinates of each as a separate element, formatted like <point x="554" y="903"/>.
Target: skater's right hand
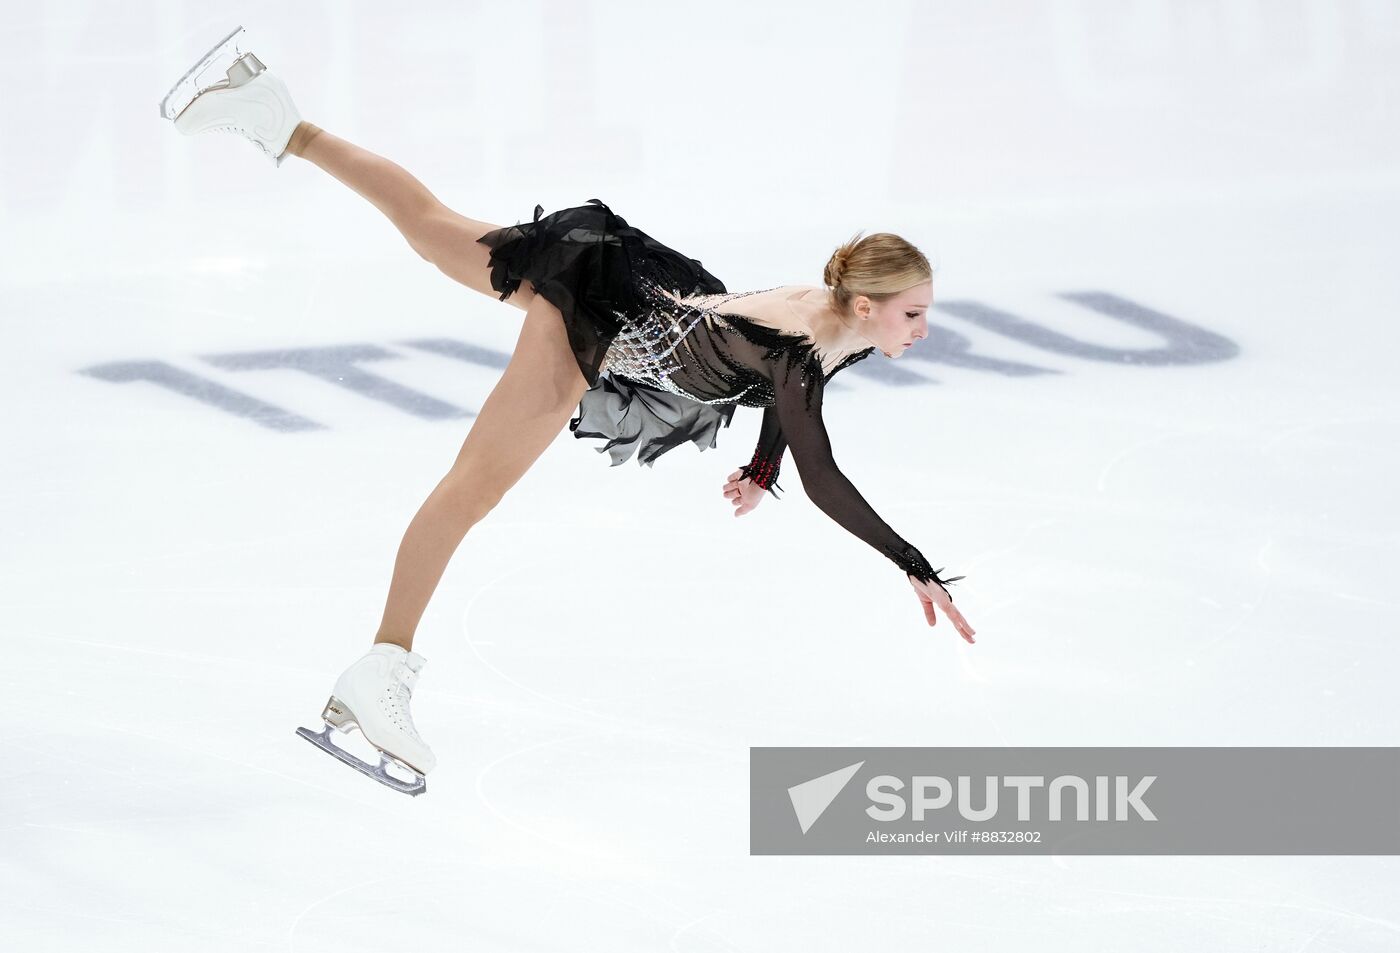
<point x="932" y="594"/>
<point x="743" y="492"/>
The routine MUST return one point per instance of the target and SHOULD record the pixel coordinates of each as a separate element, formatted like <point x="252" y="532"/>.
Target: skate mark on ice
<point x="1300" y="428"/>
<point x="686" y="927"/>
<point x="256" y="767"/>
<point x="587" y="850"/>
<point x="1261" y="593"/>
<point x="472" y="644"/>
<point x="182" y="656"/>
<point x="1137" y="446"/>
<point x="296" y="921"/>
<point x="1321" y="907"/>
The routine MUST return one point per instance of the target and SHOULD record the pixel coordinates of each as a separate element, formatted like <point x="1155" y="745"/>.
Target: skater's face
<point x="896" y="324"/>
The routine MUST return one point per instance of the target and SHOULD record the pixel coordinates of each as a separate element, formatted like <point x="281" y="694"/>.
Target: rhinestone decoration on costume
<point x="645" y="350"/>
<point x="685" y="346"/>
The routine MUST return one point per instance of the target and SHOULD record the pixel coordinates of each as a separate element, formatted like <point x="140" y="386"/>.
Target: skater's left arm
<point x="799" y="385"/>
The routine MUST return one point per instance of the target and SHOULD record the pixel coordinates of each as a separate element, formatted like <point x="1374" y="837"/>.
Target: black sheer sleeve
<point x="798" y="386"/>
<point x="767" y="454"/>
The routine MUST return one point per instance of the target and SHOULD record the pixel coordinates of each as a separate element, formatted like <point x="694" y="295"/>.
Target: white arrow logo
<point x="811" y="798"/>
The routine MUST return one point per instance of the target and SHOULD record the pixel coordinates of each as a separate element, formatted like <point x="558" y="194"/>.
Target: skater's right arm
<point x="747" y="485"/>
<point x="767" y="458"/>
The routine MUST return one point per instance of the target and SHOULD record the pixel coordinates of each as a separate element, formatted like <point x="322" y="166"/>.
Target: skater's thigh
<point x="448" y="239"/>
<point x="529" y="406"/>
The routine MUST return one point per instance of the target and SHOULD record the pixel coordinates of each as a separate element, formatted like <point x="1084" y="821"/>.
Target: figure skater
<point x="648" y="346"/>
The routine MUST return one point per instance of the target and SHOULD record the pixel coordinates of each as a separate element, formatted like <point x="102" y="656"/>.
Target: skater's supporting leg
<point x="438" y="234"/>
<point x="525" y="411"/>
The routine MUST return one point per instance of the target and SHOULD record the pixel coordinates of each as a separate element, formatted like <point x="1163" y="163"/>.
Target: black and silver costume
<point x="666" y="365"/>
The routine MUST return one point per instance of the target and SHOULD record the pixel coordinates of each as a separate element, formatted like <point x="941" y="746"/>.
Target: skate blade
<point x="235" y="64"/>
<point x="322" y="740"/>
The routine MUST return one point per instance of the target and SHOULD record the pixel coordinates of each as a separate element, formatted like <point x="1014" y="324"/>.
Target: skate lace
<point x="401" y="690"/>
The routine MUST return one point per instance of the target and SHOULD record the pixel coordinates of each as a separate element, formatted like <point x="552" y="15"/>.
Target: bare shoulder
<point x="799" y="310"/>
<point x="770" y="307"/>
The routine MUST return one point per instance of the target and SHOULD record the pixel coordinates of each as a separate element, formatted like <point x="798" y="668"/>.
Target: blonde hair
<point x="878" y="266"/>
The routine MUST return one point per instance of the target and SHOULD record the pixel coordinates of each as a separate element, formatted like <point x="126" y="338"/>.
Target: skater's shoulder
<point x="766" y="307"/>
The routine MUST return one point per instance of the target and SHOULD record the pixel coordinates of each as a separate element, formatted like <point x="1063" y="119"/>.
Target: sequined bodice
<point x="694" y="349"/>
<point x="648" y="348"/>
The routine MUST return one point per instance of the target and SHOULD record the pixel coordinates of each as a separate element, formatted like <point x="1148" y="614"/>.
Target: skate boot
<point x="231" y="90"/>
<point x="373" y="695"/>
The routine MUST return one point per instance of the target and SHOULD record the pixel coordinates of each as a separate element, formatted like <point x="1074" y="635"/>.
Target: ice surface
<point x="1179" y="539"/>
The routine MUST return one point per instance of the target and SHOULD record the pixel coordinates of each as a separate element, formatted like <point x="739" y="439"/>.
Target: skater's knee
<point x="440" y="235"/>
<point x="473" y="492"/>
<point x="424" y="227"/>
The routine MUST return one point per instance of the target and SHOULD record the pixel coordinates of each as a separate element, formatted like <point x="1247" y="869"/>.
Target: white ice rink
<point x="1154" y="423"/>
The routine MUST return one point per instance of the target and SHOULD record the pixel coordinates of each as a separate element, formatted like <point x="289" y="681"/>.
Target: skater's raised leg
<point x="437" y="233"/>
<point x="231" y="90"/>
<point x="529" y="406"/>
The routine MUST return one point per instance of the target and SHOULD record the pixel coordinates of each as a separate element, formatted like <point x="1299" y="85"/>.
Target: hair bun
<point x="832" y="275"/>
<point x="836" y="264"/>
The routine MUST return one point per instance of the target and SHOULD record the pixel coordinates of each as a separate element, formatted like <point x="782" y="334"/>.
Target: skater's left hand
<point x="931" y="594"/>
<point x="743" y="492"/>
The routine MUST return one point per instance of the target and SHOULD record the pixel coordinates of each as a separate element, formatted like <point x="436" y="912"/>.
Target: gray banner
<point x="1074" y="800"/>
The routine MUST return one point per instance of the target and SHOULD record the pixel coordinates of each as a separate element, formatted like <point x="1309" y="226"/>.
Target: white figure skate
<point x="373" y="695"/>
<point x="246" y="98"/>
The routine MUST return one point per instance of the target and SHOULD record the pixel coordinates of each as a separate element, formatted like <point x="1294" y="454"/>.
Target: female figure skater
<point x="649" y="346"/>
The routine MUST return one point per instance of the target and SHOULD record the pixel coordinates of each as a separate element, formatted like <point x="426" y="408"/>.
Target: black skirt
<point x="588" y="262"/>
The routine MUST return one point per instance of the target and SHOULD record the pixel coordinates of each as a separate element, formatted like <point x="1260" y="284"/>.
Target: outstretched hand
<point x="932" y="594"/>
<point x="743" y="492"/>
